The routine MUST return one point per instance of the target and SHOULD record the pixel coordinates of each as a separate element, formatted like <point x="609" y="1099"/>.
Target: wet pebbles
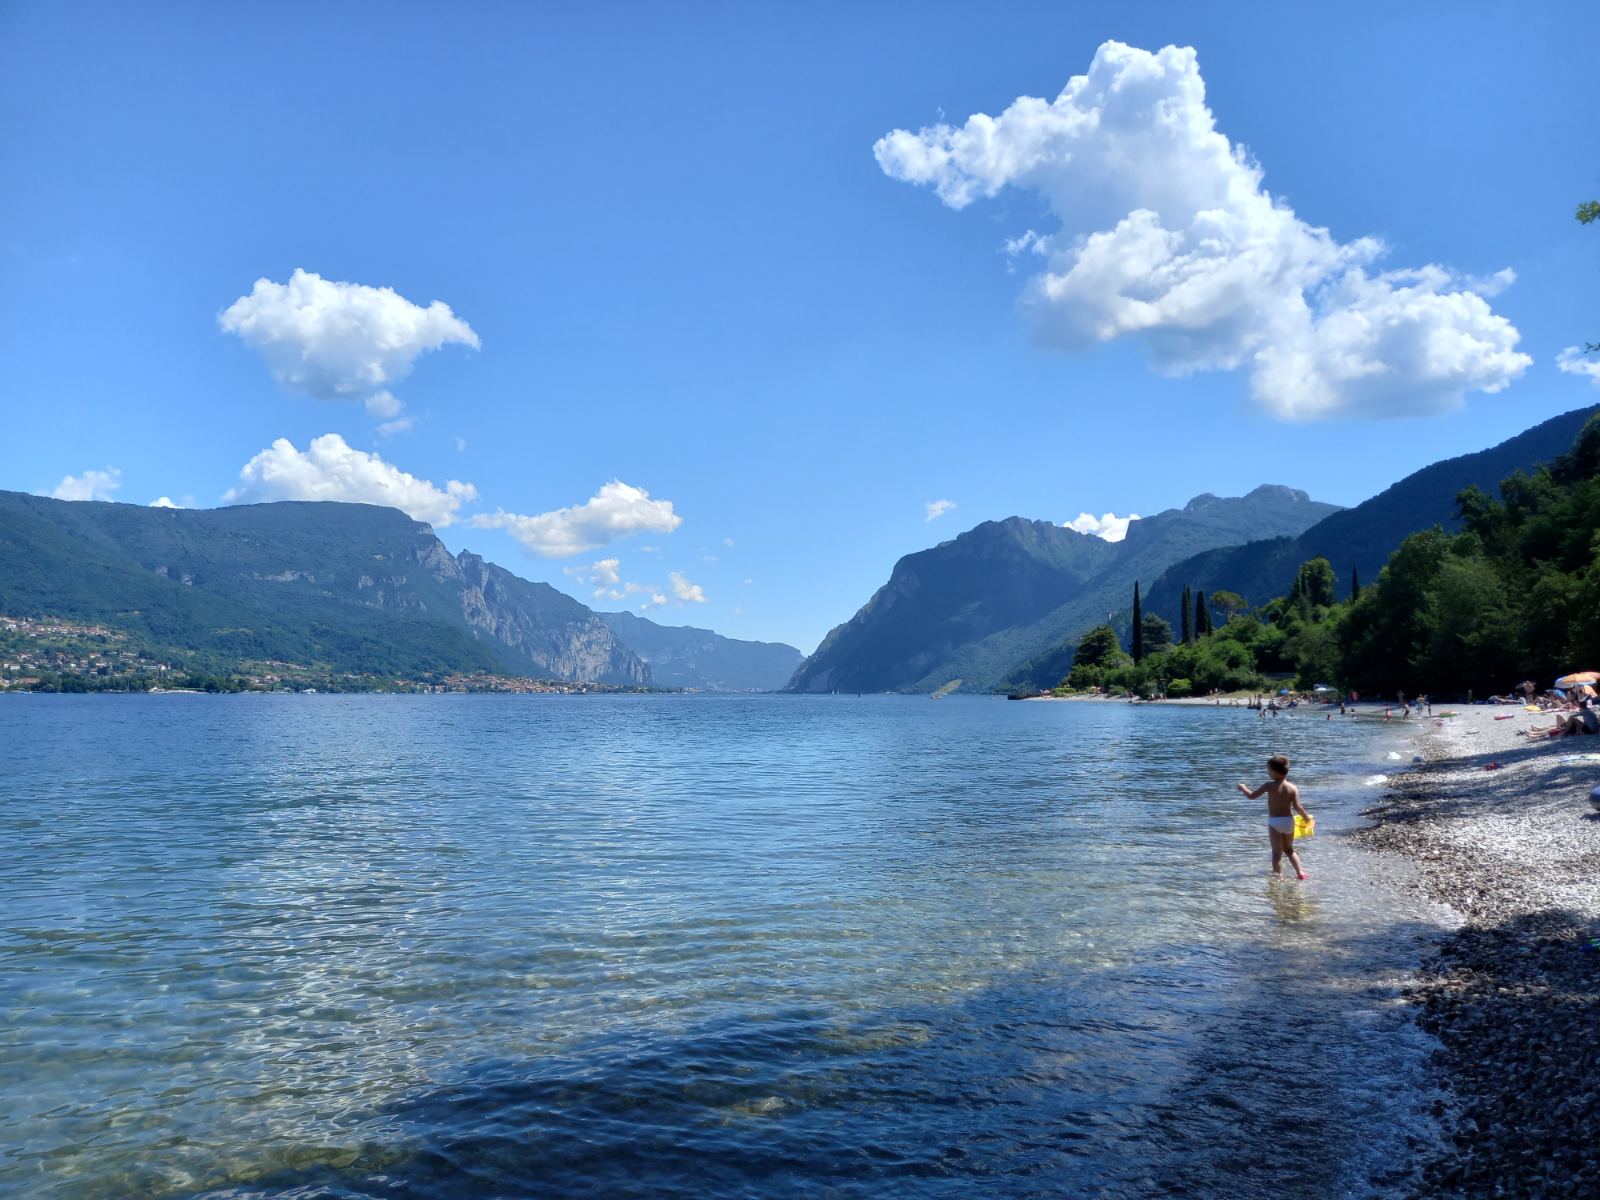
<point x="1513" y="996"/>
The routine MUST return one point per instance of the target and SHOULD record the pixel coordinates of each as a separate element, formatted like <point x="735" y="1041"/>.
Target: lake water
<point x="685" y="946"/>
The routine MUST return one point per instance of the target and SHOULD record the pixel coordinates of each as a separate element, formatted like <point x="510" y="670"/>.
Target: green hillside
<point x="974" y="608"/>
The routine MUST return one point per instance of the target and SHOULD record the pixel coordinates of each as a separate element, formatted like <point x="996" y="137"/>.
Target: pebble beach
<point x="1500" y="828"/>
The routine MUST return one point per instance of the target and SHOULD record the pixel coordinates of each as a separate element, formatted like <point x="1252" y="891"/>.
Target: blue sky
<point x="718" y="339"/>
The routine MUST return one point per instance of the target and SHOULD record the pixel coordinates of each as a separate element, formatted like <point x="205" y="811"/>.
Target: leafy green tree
<point x="1155" y="633"/>
<point x="1186" y="616"/>
<point x="1138" y="626"/>
<point x="1100" y="647"/>
<point x="1230" y="603"/>
<point x="1314" y="583"/>
<point x="1387" y="631"/>
<point x="1202" y="616"/>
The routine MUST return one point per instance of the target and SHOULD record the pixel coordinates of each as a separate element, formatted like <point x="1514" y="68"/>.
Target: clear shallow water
<point x="705" y="947"/>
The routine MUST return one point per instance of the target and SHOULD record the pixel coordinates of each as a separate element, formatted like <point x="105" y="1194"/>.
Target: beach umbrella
<point x="1578" y="677"/>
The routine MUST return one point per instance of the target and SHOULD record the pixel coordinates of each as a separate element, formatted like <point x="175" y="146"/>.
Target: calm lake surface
<point x="685" y="946"/>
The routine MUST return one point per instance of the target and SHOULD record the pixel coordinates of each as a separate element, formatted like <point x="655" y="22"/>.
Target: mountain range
<point x="975" y="608"/>
<point x="1361" y="538"/>
<point x="1004" y="604"/>
<point x="349" y="587"/>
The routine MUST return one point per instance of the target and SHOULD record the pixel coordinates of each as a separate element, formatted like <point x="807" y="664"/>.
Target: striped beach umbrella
<point x="1578" y="677"/>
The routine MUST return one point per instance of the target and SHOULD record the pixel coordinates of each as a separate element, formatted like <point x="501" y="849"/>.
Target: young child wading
<point x="1283" y="803"/>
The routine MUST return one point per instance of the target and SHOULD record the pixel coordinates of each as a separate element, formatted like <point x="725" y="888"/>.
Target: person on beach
<point x="1283" y="804"/>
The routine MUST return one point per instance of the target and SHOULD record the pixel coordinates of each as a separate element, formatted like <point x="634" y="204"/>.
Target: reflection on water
<point x="697" y="946"/>
<point x="1291" y="900"/>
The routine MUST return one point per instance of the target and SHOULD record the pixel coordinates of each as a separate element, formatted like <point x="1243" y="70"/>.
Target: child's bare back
<point x="1282" y="798"/>
<point x="1283" y="804"/>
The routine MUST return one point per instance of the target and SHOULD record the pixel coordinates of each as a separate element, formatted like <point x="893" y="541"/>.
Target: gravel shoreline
<point x="1513" y="996"/>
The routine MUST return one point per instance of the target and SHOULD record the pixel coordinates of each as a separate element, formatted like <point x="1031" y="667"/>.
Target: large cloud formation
<point x="613" y="512"/>
<point x="330" y="469"/>
<point x="336" y="340"/>
<point x="1166" y="232"/>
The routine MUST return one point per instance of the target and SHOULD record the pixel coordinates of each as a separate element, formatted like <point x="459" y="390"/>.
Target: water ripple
<point x="685" y="946"/>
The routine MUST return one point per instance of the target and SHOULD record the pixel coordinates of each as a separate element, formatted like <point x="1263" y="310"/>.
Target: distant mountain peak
<point x="1278" y="491"/>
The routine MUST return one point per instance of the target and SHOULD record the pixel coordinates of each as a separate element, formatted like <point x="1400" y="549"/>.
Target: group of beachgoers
<point x="1576" y="711"/>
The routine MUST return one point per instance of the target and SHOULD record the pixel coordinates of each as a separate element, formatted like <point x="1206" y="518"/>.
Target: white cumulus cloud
<point x="1167" y="233"/>
<point x="685" y="591"/>
<point x="615" y="511"/>
<point x="330" y="469"/>
<point x="938" y="508"/>
<point x="605" y="575"/>
<point x="398" y="425"/>
<point x="337" y="340"/>
<point x="1108" y="526"/>
<point x="384" y="405"/>
<point x="1574" y="361"/>
<point x="164" y="502"/>
<point x="91" y="485"/>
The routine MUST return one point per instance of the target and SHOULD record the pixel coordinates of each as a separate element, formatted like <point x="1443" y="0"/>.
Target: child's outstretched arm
<point x="1244" y="789"/>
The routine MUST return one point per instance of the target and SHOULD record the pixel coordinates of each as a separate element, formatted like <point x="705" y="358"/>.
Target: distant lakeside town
<point x="58" y="654"/>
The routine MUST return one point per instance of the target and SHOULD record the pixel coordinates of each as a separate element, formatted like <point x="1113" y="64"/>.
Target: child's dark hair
<point x="1279" y="763"/>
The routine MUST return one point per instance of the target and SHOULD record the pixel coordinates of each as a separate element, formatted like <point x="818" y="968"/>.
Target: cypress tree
<point x="1138" y="625"/>
<point x="1186" y="615"/>
<point x="1202" y="616"/>
<point x="1355" y="586"/>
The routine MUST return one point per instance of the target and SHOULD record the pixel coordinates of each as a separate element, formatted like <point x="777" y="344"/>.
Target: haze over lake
<point x="373" y="946"/>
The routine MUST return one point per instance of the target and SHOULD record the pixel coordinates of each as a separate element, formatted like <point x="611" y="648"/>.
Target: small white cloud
<point x="738" y="610"/>
<point x="1026" y="243"/>
<point x="685" y="591"/>
<point x="1574" y="361"/>
<point x="337" y="340"/>
<point x="164" y="502"/>
<point x="385" y="405"/>
<point x="1167" y="234"/>
<point x="656" y="600"/>
<point x="728" y="542"/>
<point x="461" y="444"/>
<point x="91" y="485"/>
<point x="710" y="558"/>
<point x="607" y="571"/>
<point x="399" y="425"/>
<point x="1110" y="527"/>
<point x="615" y="511"/>
<point x="749" y="580"/>
<point x="938" y="508"/>
<point x="330" y="469"/>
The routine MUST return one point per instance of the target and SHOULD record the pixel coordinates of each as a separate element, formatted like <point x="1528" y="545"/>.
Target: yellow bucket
<point x="1304" y="827"/>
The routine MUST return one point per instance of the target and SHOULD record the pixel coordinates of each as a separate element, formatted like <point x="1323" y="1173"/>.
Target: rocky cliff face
<point x="553" y="634"/>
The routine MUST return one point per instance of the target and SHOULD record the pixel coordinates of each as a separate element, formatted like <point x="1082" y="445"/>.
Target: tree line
<point x="1514" y="595"/>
